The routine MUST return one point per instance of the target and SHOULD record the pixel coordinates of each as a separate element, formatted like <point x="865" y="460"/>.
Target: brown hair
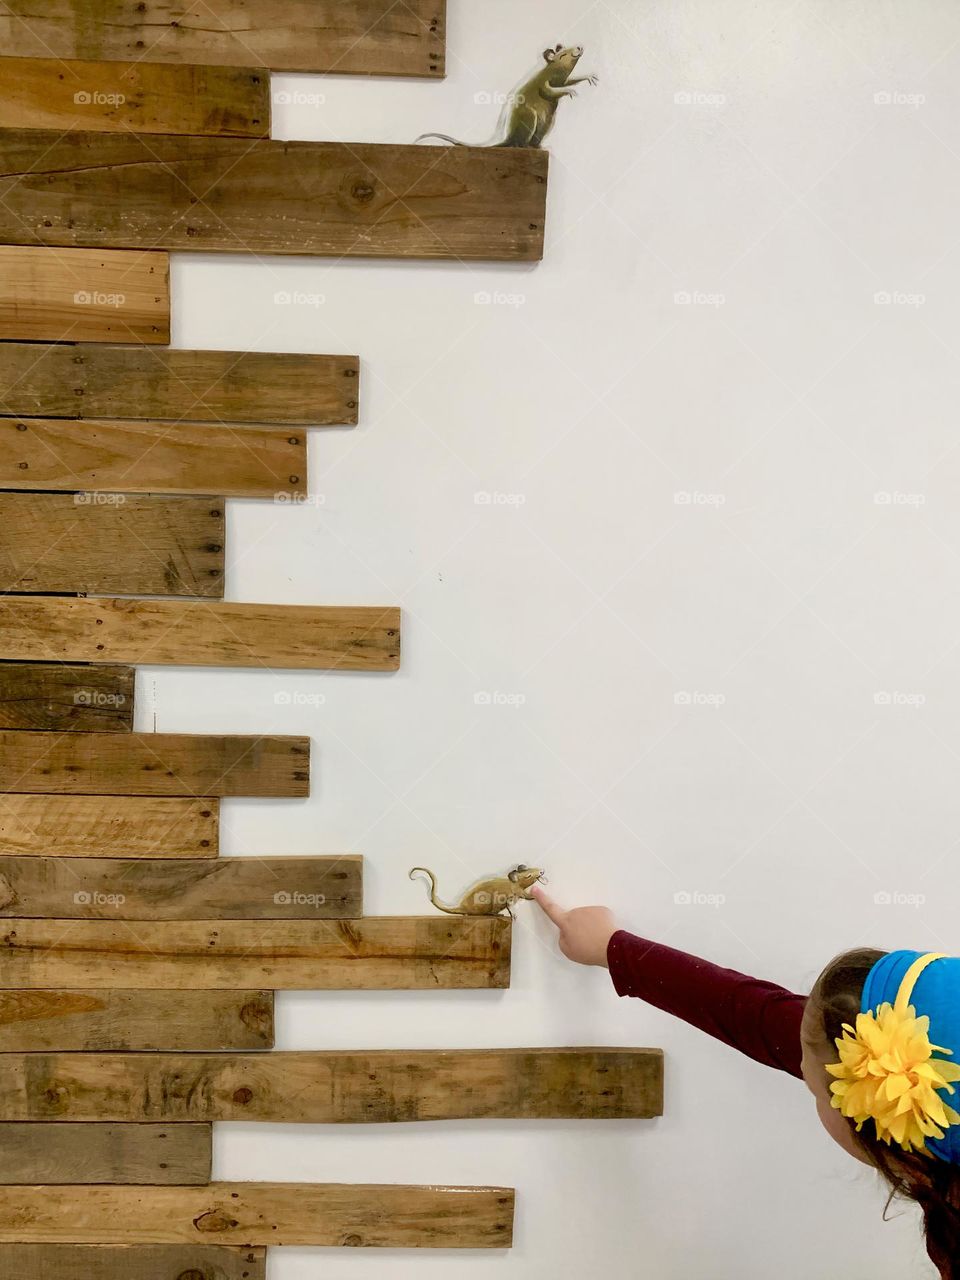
<point x="932" y="1183"/>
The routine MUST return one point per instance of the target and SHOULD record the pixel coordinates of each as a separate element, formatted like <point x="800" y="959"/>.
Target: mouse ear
<point x="559" y="48"/>
<point x="548" y="55"/>
<point x="512" y="875"/>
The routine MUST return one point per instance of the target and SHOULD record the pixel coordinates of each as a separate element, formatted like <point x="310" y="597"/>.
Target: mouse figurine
<point x="529" y="111"/>
<point x="490" y="897"/>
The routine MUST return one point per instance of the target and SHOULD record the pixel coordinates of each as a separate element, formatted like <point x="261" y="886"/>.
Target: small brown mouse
<point x="530" y="109"/>
<point x="488" y="897"/>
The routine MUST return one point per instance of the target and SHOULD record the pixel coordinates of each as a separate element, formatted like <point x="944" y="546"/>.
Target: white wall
<point x="799" y="599"/>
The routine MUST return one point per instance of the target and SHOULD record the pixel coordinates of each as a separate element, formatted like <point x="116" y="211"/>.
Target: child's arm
<point x="759" y="1018"/>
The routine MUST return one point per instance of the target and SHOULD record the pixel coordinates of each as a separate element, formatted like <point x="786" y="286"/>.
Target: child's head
<point x="933" y="1183"/>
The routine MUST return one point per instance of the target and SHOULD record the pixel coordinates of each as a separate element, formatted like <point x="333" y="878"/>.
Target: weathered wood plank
<point x="109" y="826"/>
<point x="200" y="633"/>
<point x="154" y="764"/>
<point x="353" y="37"/>
<point x="152" y="457"/>
<point x="104" y="1021"/>
<point x="131" y="1262"/>
<point x="335" y="1087"/>
<point x="262" y="888"/>
<point x="261" y="1213"/>
<point x="307" y="198"/>
<point x="146" y="1154"/>
<point x="82" y="295"/>
<point x="147" y="97"/>
<point x="134" y="544"/>
<point x="91" y="381"/>
<point x="70" y="698"/>
<point x="377" y="953"/>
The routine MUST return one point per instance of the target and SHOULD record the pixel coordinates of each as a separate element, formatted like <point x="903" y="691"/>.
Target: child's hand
<point x="584" y="931"/>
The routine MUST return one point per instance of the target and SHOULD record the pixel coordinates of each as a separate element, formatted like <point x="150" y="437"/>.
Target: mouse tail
<point x="441" y="906"/>
<point x="444" y="137"/>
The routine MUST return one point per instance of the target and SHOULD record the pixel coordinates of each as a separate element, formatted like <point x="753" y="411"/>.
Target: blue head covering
<point x="936" y="994"/>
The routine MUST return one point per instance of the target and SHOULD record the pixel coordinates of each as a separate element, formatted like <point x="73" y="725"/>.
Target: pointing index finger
<point x="550" y="908"/>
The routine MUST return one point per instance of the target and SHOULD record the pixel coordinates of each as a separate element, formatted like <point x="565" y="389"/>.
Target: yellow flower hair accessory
<point x="887" y="1072"/>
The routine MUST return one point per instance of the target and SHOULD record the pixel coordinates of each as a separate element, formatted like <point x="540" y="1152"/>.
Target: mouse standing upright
<point x="531" y="108"/>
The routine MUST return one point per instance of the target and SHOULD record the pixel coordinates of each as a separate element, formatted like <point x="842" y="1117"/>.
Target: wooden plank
<point x="103" y="1021"/>
<point x="82" y="295"/>
<point x="335" y="1087"/>
<point x="147" y="1154"/>
<point x="68" y="698"/>
<point x="307" y="198"/>
<point x="147" y="97"/>
<point x="133" y="544"/>
<point x="131" y="1262"/>
<point x="109" y="826"/>
<point x="152" y="457"/>
<point x="91" y="381"/>
<point x="154" y="764"/>
<point x="286" y="888"/>
<point x="200" y="633"/>
<point x="261" y="1213"/>
<point x="354" y="37"/>
<point x="377" y="953"/>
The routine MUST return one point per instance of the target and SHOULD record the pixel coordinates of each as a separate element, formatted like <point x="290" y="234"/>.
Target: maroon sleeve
<point x="758" y="1018"/>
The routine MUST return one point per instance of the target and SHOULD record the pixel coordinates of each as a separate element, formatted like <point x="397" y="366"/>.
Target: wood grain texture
<point x="68" y="698"/>
<point x="91" y="381"/>
<point x="307" y="198"/>
<point x="146" y="1154"/>
<point x="154" y="764"/>
<point x="377" y="953"/>
<point x="200" y="633"/>
<point x="82" y="295"/>
<point x="147" y="97"/>
<point x="287" y="888"/>
<point x="353" y="37"/>
<point x="109" y="826"/>
<point x="103" y="1021"/>
<point x="131" y="1262"/>
<point x="133" y="544"/>
<point x="152" y="457"/>
<point x="261" y="1213"/>
<point x="338" y="1087"/>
